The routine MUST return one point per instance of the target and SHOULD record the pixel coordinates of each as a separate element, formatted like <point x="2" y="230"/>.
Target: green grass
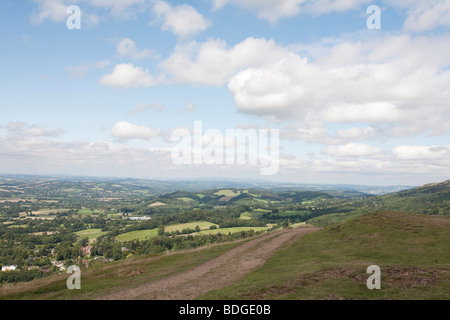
<point x="137" y="235"/>
<point x="411" y="250"/>
<point x="228" y="193"/>
<point x="188" y="200"/>
<point x="102" y="279"/>
<point x="145" y="234"/>
<point x="233" y="230"/>
<point x="204" y="225"/>
<point x="255" y="214"/>
<point x="89" y="211"/>
<point x="288" y="214"/>
<point x="92" y="234"/>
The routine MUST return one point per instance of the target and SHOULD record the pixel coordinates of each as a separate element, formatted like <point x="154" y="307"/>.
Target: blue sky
<point x="352" y="105"/>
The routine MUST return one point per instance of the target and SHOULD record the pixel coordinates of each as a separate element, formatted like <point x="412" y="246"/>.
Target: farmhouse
<point x="8" y="268"/>
<point x="86" y="250"/>
<point x="139" y="218"/>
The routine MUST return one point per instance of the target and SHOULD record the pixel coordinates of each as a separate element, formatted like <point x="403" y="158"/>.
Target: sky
<point x="355" y="96"/>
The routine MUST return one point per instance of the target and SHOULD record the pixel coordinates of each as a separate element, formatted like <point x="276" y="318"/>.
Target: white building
<point x="8" y="268"/>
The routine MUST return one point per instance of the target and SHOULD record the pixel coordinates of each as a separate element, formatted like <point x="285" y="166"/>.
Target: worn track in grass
<point x="215" y="273"/>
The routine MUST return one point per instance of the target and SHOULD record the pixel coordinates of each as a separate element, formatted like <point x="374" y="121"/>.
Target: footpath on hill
<point x="213" y="274"/>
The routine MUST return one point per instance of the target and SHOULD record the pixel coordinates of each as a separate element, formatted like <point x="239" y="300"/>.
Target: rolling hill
<point x="411" y="250"/>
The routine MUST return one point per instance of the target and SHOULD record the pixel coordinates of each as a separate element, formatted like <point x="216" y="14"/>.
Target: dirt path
<point x="213" y="274"/>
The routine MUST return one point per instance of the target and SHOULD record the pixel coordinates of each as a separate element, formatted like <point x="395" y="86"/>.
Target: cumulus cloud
<point x="398" y="81"/>
<point x="214" y="62"/>
<point x="182" y="20"/>
<point x="128" y="76"/>
<point x="427" y="15"/>
<point x="128" y="48"/>
<point x="126" y="131"/>
<point x="53" y="10"/>
<point x="421" y="15"/>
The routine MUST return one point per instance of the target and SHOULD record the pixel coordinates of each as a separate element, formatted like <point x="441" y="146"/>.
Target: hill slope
<point x="411" y="250"/>
<point x="430" y="199"/>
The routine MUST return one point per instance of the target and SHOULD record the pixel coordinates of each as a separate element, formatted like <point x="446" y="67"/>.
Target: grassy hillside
<point x="431" y="199"/>
<point x="411" y="250"/>
<point x="105" y="278"/>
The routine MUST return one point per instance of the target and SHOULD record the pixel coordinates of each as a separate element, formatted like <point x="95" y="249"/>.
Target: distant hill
<point x="430" y="199"/>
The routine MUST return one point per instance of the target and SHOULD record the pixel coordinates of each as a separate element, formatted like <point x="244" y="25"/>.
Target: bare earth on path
<point x="215" y="273"/>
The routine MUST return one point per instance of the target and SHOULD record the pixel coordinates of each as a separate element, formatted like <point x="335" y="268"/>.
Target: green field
<point x="89" y="211"/>
<point x="185" y="199"/>
<point x="233" y="230"/>
<point x="92" y="234"/>
<point x="255" y="214"/>
<point x="227" y="193"/>
<point x="204" y="225"/>
<point x="137" y="235"/>
<point x="145" y="234"/>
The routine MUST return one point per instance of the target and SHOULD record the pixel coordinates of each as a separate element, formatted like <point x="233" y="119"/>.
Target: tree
<point x="161" y="231"/>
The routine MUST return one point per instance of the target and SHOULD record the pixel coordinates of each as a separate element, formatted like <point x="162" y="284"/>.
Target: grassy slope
<point x="105" y="278"/>
<point x="412" y="251"/>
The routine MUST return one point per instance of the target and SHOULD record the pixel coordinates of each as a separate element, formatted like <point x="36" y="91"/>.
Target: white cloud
<point x="214" y="62"/>
<point x="420" y="15"/>
<point x="53" y="10"/>
<point x="274" y="10"/>
<point x="128" y="76"/>
<point x="427" y="15"/>
<point x="352" y="150"/>
<point x="126" y="131"/>
<point x="370" y="112"/>
<point x="182" y="20"/>
<point x="124" y="9"/>
<point x="25" y="130"/>
<point x="142" y="107"/>
<point x="399" y="81"/>
<point x="422" y="153"/>
<point x="271" y="10"/>
<point x="127" y="48"/>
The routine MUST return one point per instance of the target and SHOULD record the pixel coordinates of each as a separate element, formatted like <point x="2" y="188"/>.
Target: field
<point x="227" y="193"/>
<point x="255" y="214"/>
<point x="203" y="225"/>
<point x="89" y="211"/>
<point x="92" y="234"/>
<point x="331" y="263"/>
<point x="233" y="230"/>
<point x="137" y="235"/>
<point x="41" y="214"/>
